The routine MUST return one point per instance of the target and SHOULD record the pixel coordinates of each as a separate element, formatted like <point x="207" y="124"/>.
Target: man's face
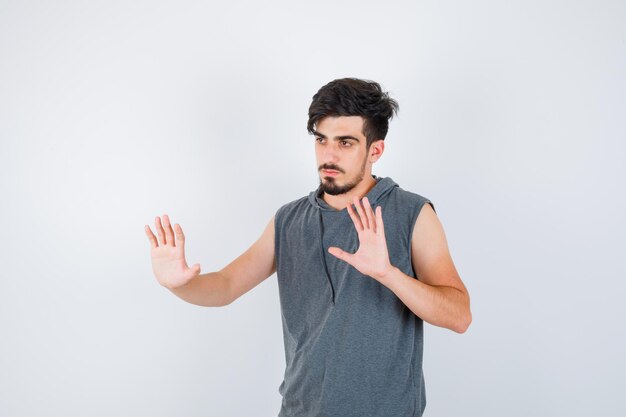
<point x="340" y="149"/>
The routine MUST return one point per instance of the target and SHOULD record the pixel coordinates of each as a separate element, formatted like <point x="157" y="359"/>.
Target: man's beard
<point x="329" y="186"/>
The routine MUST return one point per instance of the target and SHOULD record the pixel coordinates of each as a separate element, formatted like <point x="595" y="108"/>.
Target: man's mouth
<point x="330" y="172"/>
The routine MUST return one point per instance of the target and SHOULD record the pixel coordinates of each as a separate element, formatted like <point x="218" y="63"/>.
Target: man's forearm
<point x="440" y="306"/>
<point x="207" y="290"/>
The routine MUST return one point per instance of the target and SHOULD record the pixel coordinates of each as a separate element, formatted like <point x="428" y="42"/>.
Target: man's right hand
<point x="168" y="255"/>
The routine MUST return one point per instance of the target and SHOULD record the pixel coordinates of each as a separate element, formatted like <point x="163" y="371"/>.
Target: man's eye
<point x="345" y="142"/>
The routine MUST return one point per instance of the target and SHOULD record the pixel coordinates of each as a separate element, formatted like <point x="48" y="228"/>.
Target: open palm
<point x="168" y="254"/>
<point x="372" y="257"/>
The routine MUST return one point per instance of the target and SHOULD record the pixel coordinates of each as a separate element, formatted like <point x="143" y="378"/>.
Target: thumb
<point x="340" y="253"/>
<point x="195" y="268"/>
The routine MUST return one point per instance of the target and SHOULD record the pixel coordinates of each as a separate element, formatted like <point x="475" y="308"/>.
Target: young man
<point x="355" y="283"/>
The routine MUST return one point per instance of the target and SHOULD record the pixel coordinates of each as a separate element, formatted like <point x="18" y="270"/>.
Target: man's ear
<point x="376" y="150"/>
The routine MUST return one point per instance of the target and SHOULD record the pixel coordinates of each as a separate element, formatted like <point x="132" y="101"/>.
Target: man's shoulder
<point x="411" y="198"/>
<point x="293" y="205"/>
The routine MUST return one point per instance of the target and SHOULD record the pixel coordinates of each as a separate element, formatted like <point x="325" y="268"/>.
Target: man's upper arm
<point x="253" y="266"/>
<point x="430" y="255"/>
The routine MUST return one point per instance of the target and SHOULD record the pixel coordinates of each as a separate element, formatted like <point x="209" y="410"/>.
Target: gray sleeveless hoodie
<point x="352" y="347"/>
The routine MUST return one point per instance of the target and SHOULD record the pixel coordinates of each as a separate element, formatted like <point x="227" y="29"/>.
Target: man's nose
<point x="331" y="153"/>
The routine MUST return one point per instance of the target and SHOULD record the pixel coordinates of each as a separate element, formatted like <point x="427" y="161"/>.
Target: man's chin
<point x="332" y="188"/>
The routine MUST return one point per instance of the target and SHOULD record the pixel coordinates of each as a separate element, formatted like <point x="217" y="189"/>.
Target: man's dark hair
<point x="355" y="97"/>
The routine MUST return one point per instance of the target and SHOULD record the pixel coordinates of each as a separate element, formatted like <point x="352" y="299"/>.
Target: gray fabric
<point x="352" y="347"/>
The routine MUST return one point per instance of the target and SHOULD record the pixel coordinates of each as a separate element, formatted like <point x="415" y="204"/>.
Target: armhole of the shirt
<point x="276" y="236"/>
<point x="418" y="208"/>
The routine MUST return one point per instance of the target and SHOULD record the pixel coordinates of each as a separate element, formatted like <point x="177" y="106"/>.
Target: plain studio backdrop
<point x="512" y="121"/>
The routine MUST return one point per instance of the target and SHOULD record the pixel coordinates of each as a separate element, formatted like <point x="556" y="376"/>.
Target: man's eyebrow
<point x="344" y="137"/>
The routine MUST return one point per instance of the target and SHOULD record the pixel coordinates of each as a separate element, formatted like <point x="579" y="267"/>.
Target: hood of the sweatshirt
<point x="384" y="185"/>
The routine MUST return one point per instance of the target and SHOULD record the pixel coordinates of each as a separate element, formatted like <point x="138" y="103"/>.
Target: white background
<point x="512" y="121"/>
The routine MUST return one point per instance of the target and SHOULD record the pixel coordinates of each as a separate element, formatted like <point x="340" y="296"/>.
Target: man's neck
<point x="341" y="201"/>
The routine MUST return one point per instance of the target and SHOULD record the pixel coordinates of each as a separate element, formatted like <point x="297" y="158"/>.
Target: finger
<point x="379" y="220"/>
<point x="151" y="237"/>
<point x="362" y="215"/>
<point x="160" y="231"/>
<point x="370" y="214"/>
<point x="194" y="270"/>
<point x="355" y="218"/>
<point x="341" y="254"/>
<point x="180" y="236"/>
<point x="169" y="233"/>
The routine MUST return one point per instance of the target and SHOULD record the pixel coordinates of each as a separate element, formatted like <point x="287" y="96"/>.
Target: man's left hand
<point x="372" y="257"/>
